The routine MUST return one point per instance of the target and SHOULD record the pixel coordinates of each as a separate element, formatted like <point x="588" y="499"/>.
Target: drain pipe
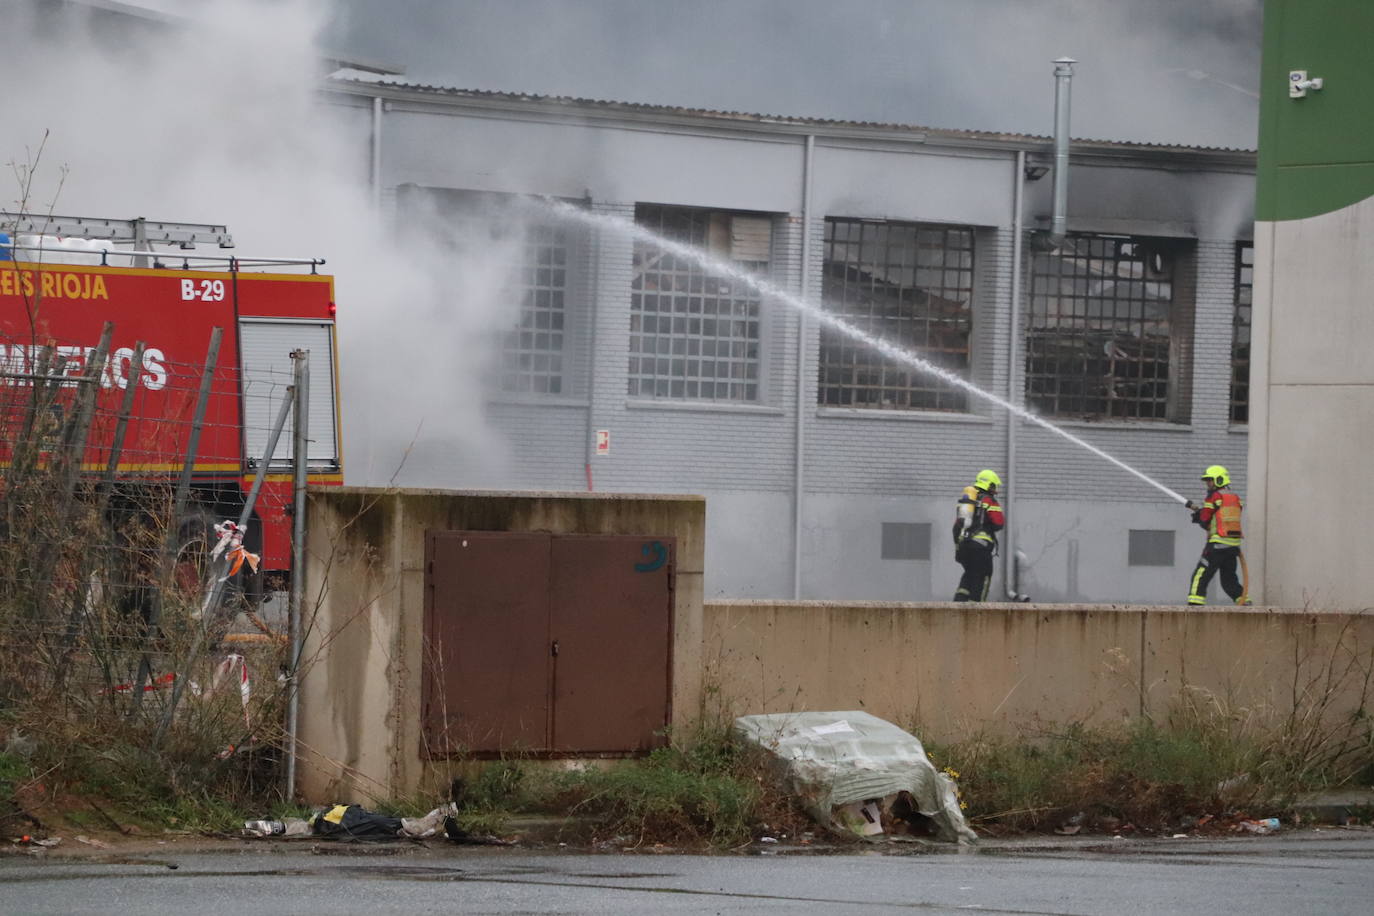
<point x="799" y="439"/>
<point x="594" y="254"/>
<point x="1063" y="75"/>
<point x="1012" y="567"/>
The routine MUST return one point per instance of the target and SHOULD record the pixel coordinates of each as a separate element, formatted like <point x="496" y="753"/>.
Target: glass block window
<point x="906" y="540"/>
<point x="1100" y="326"/>
<point x="532" y="353"/>
<point x="907" y="283"/>
<point x="1240" y="338"/>
<point x="1150" y="548"/>
<point x="695" y="334"/>
<point x="524" y="259"/>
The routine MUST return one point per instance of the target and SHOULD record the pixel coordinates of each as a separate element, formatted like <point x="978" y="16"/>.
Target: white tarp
<point x="835" y="759"/>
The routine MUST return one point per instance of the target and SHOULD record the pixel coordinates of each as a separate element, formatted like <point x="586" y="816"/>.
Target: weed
<point x="663" y="798"/>
<point x="282" y="810"/>
<point x="405" y="806"/>
<point x="13" y="772"/>
<point x="82" y="819"/>
<point x="1144" y="773"/>
<point x="1360" y="814"/>
<point x="490" y="824"/>
<point x="503" y="785"/>
<point x="199" y="813"/>
<point x="703" y="788"/>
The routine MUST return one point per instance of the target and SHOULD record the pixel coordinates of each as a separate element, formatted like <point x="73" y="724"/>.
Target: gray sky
<point x="1165" y="71"/>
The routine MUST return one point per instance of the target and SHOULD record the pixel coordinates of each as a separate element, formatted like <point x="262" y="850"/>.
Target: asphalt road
<point x="1319" y="871"/>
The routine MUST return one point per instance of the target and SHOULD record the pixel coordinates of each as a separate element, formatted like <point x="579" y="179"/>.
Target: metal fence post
<point x="301" y="458"/>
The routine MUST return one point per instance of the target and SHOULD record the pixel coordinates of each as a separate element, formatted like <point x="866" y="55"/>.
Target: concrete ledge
<point x="950" y="670"/>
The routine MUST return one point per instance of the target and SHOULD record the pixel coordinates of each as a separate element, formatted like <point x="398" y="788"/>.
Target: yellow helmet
<point x="987" y="480"/>
<point x="1218" y="475"/>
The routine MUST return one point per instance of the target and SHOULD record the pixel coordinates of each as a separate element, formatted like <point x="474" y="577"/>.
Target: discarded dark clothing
<point x="354" y="821"/>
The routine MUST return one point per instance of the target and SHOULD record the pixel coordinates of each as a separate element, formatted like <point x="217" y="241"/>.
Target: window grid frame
<point x="532" y="353"/>
<point x="854" y="375"/>
<point x="694" y="335"/>
<point x="1241" y="318"/>
<point x="1094" y="346"/>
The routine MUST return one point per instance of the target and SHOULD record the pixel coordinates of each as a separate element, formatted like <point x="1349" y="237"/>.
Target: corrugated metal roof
<point x="611" y="106"/>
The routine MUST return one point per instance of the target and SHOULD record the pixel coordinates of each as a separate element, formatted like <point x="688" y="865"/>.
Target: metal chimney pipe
<point x="1063" y="73"/>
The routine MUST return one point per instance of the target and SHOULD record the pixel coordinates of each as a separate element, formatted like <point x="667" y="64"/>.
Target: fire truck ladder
<point x="141" y="232"/>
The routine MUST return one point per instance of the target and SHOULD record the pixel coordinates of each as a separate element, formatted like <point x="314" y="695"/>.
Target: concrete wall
<point x="948" y="670"/>
<point x="951" y="671"/>
<point x="364" y="646"/>
<point x="1314" y="399"/>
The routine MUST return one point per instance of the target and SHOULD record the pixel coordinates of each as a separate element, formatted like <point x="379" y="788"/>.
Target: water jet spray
<point x="887" y="348"/>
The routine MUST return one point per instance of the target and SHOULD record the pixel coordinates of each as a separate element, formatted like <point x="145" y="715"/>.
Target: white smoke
<point x="217" y="118"/>
<point x="1159" y="71"/>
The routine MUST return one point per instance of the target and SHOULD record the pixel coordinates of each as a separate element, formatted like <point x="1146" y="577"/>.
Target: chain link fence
<point x="129" y="583"/>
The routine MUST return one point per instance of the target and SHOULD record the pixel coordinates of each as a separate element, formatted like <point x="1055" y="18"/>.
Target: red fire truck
<point x="63" y="278"/>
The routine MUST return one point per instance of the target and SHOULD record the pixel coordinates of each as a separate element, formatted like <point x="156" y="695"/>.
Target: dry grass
<point x="1199" y="762"/>
<point x="703" y="790"/>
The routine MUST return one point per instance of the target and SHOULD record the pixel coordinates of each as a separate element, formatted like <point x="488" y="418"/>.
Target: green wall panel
<point x="1314" y="151"/>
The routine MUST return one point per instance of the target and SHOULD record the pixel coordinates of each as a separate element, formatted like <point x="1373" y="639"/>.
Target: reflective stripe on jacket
<point x="1220" y="515"/>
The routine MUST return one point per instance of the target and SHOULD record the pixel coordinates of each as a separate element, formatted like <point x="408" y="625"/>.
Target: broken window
<point x="508" y="254"/>
<point x="1106" y="335"/>
<point x="1240" y="338"/>
<point x="694" y="333"/>
<point x="910" y="284"/>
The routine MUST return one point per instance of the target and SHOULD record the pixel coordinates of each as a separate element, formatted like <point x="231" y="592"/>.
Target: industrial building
<point x="829" y="469"/>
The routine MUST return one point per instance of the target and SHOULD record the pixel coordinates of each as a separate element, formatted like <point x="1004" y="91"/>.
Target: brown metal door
<point x="611" y="602"/>
<point x="487" y="652"/>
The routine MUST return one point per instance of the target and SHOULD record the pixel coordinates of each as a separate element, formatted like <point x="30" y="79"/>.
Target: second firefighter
<point x="976" y="524"/>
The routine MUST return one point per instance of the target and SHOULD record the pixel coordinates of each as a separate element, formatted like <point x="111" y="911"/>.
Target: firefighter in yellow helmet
<point x="976" y="523"/>
<point x="1219" y="515"/>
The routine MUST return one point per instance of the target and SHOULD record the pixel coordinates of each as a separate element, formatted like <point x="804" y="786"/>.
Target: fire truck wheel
<point x="195" y="535"/>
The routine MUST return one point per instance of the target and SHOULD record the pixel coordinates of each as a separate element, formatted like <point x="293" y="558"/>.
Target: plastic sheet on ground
<point x="839" y="764"/>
